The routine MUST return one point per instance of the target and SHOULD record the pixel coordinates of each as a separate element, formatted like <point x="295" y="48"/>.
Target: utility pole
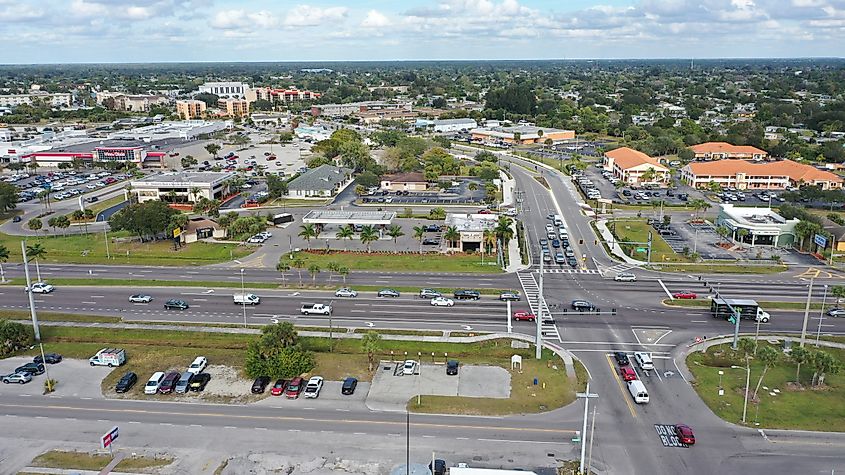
<point x="35" y="330"/>
<point x="648" y="258"/>
<point x="538" y="352"/>
<point x="806" y="313"/>
<point x="586" y="395"/>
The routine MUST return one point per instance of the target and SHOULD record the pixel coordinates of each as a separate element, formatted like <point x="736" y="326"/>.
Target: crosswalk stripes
<point x="532" y="295"/>
<point x="571" y="271"/>
<point x="619" y="268"/>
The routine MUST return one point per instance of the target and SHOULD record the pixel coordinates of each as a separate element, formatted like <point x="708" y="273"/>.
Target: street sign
<point x="108" y="438"/>
<point x="820" y="240"/>
<point x="642" y="249"/>
<point x="177" y="232"/>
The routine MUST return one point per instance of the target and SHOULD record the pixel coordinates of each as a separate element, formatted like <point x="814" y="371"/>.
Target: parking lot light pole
<point x="806" y="313"/>
<point x="35" y="330"/>
<point x="243" y="297"/>
<point x="747" y="383"/>
<point x="821" y="316"/>
<point x="586" y="395"/>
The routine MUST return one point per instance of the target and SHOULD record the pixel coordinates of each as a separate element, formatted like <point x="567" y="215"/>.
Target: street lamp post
<point x="747" y="383"/>
<point x="806" y="313"/>
<point x="586" y="395"/>
<point x="821" y="316"/>
<point x="243" y="297"/>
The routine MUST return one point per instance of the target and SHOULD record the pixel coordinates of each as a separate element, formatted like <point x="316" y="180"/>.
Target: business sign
<point x="820" y="240"/>
<point x="177" y="232"/>
<point x="108" y="438"/>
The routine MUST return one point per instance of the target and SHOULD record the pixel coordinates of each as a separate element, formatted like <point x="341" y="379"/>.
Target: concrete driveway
<point x="330" y="397"/>
<point x="76" y="378"/>
<point x="390" y="390"/>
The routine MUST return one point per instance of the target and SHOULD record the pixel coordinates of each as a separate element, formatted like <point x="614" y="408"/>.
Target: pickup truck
<point x="316" y="308"/>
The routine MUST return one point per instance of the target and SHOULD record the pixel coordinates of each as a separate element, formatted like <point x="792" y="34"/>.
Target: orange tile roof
<point x="628" y="158"/>
<point x="795" y="171"/>
<point x="724" y="147"/>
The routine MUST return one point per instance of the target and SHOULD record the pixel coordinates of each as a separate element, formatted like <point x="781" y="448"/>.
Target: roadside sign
<point x="108" y="438"/>
<point x="820" y="240"/>
<point x="641" y="249"/>
<point x="177" y="232"/>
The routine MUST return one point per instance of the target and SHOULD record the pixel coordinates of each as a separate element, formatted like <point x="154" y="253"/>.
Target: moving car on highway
<point x="628" y="373"/>
<point x="176" y="304"/>
<point x="41" y="288"/>
<point x="836" y="312"/>
<point x="442" y="302"/>
<point x="582" y="306"/>
<point x="524" y="316"/>
<point x="345" y="292"/>
<point x="685" y="294"/>
<point x="466" y="294"/>
<point x="621" y="358"/>
<point x="509" y="296"/>
<point x="388" y="293"/>
<point x="429" y="293"/>
<point x="625" y="277"/>
<point x="140" y="298"/>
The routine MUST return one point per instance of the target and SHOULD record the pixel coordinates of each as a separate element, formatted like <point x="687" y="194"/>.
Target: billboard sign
<point x="820" y="240"/>
<point x="108" y="438"/>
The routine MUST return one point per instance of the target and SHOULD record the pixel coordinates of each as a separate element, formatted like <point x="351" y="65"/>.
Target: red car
<point x="526" y="316"/>
<point x="685" y="294"/>
<point x="295" y="387"/>
<point x="271" y="157"/>
<point x="685" y="434"/>
<point x="484" y="211"/>
<point x="279" y="388"/>
<point x="628" y="373"/>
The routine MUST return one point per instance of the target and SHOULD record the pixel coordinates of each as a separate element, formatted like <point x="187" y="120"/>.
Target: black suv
<point x="260" y="384"/>
<point x="452" y="367"/>
<point x="50" y="358"/>
<point x="126" y="382"/>
<point x="467" y="294"/>
<point x="175" y="304"/>
<point x="31" y="368"/>
<point x="582" y="306"/>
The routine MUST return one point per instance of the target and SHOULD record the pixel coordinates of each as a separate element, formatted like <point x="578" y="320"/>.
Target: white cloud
<point x="307" y="15"/>
<point x="375" y="19"/>
<point x="243" y="20"/>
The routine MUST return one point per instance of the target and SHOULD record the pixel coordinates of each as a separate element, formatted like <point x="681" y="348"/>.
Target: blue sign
<point x="820" y="240"/>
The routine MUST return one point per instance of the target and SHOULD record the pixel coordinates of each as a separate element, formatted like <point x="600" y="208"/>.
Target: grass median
<point x="66" y="460"/>
<point x="780" y="403"/>
<point x="766" y="305"/>
<point x="411" y="262"/>
<point x="720" y="268"/>
<point x="637" y="231"/>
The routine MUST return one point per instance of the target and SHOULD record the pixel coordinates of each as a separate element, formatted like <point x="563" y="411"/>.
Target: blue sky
<point x="58" y="31"/>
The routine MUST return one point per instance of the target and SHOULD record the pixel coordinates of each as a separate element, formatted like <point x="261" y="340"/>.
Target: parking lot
<point x="391" y="391"/>
<point x="62" y="184"/>
<point x="75" y="378"/>
<point x="458" y="194"/>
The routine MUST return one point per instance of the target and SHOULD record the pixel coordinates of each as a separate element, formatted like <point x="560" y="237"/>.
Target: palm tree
<point x="805" y="229"/>
<point x="299" y="264"/>
<point x="395" y="231"/>
<point x="283" y="267"/>
<point x="345" y="232"/>
<point x="503" y="229"/>
<point x="307" y="232"/>
<point x="437" y="213"/>
<point x="195" y="191"/>
<point x="723" y="232"/>
<point x="769" y="357"/>
<point x="419" y="234"/>
<point x="314" y="269"/>
<point x="34" y="252"/>
<point x="741" y="233"/>
<point x="368" y="235"/>
<point x="488" y="240"/>
<point x="799" y="356"/>
<point x="332" y="267"/>
<point x="370" y="343"/>
<point x="4" y="256"/>
<point x="343" y="271"/>
<point x="452" y="235"/>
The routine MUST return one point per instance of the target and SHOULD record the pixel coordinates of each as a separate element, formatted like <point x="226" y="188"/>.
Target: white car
<point x="41" y="288"/>
<point x="625" y="277"/>
<point x="199" y="364"/>
<point x="153" y="383"/>
<point x="346" y="292"/>
<point x="312" y="389"/>
<point x="140" y="298"/>
<point x="442" y="302"/>
<point x="409" y="367"/>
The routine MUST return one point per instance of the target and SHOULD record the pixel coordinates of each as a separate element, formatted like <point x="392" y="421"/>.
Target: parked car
<point x="452" y="367"/>
<point x="685" y="434"/>
<point x="32" y="368"/>
<point x="312" y="389"/>
<point x="621" y="358"/>
<point x="442" y="302"/>
<point x="260" y="384"/>
<point x="685" y="294"/>
<point x="279" y="387"/>
<point x="628" y="373"/>
<point x="429" y="293"/>
<point x="198" y="365"/>
<point x="294" y="388"/>
<point x="512" y="296"/>
<point x="625" y="277"/>
<point x="153" y="383"/>
<point x="168" y="384"/>
<point x="409" y="367"/>
<point x="524" y="316"/>
<point x="184" y="382"/>
<point x="140" y="298"/>
<point x="345" y="292"/>
<point x="349" y="385"/>
<point x="431" y="242"/>
<point x="582" y="306"/>
<point x="199" y="382"/>
<point x="126" y="382"/>
<point x="50" y="358"/>
<point x="41" y="288"/>
<point x="176" y="304"/>
<point x="19" y="378"/>
<point x="465" y="294"/>
<point x="388" y="293"/>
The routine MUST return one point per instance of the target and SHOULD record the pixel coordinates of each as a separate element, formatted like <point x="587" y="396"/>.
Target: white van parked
<point x="638" y="391"/>
<point x="154" y="382"/>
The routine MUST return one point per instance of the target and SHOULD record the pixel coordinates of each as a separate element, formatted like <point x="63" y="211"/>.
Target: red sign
<point x="107" y="439"/>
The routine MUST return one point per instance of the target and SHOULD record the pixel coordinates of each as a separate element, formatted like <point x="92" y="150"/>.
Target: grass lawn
<point x="637" y="231"/>
<point x="525" y="396"/>
<point x="105" y="204"/>
<point x="792" y="408"/>
<point x="91" y="249"/>
<point x="56" y="317"/>
<point x="429" y="262"/>
<point x="84" y="461"/>
<point x="720" y="268"/>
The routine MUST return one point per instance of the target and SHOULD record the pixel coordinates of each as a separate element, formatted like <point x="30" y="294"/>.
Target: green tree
<point x="282" y="266"/>
<point x="503" y="229"/>
<point x="723" y="232"/>
<point x="276" y="186"/>
<point x="419" y="234"/>
<point x="343" y="271"/>
<point x="395" y="231"/>
<point x="741" y="233"/>
<point x="823" y="363"/>
<point x="799" y="355"/>
<point x="188" y="161"/>
<point x="299" y="264"/>
<point x="804" y="229"/>
<point x="344" y="233"/>
<point x="277" y="353"/>
<point x="368" y="235"/>
<point x="77" y="215"/>
<point x="368" y="179"/>
<point x="4" y="256"/>
<point x="146" y="220"/>
<point x="314" y="269"/>
<point x="34" y="224"/>
<point x="437" y="213"/>
<point x="13" y="337"/>
<point x="63" y="222"/>
<point x="34" y="253"/>
<point x="370" y="344"/>
<point x="308" y="232"/>
<point x="769" y="357"/>
<point x="8" y="196"/>
<point x="212" y="149"/>
<point x="452" y="235"/>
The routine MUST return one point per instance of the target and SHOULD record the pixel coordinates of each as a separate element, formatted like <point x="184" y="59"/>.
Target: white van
<point x="638" y="391"/>
<point x="644" y="360"/>
<point x="558" y="220"/>
<point x="247" y="299"/>
<point x="154" y="382"/>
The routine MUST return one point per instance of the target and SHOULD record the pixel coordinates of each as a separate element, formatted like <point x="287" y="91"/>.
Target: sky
<point x="130" y="31"/>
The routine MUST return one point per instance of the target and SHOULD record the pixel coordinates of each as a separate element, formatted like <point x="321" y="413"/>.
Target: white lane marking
<point x="230" y="427"/>
<point x="90" y="303"/>
<point x="522" y="441"/>
<point x="679" y="370"/>
<point x="665" y="289"/>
